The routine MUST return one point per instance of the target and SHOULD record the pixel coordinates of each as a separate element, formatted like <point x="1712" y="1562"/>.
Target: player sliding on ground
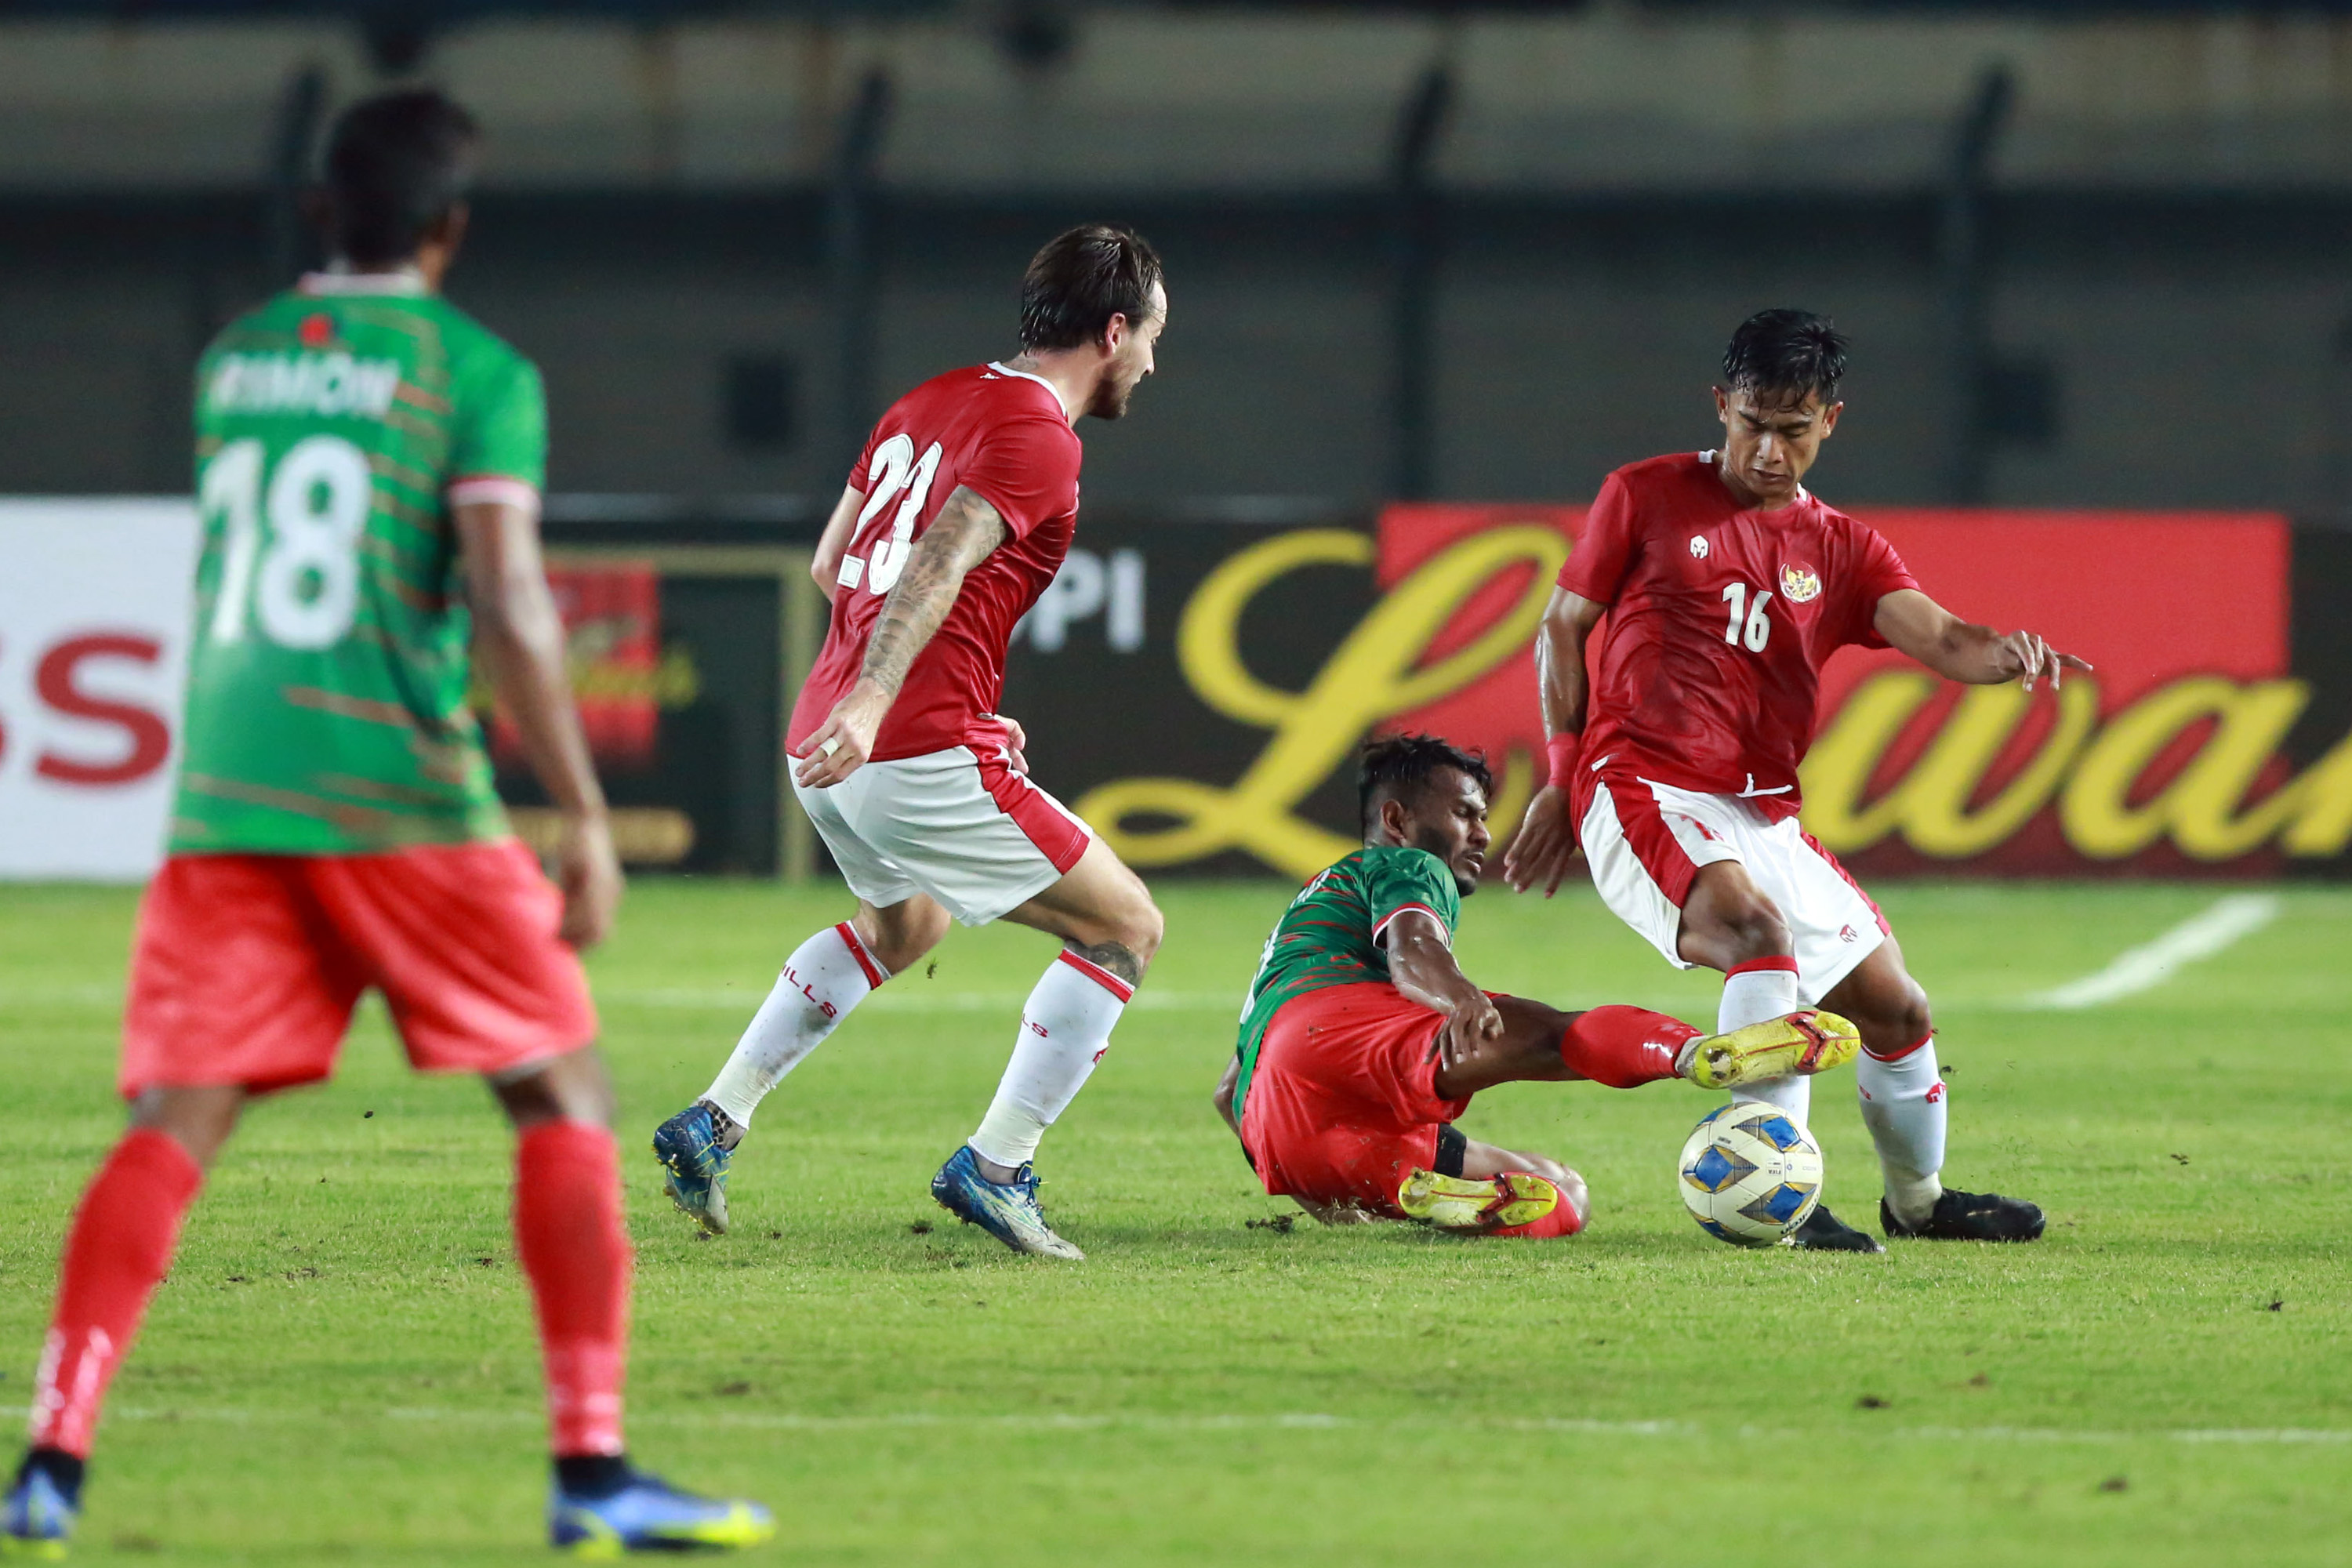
<point x="1362" y="1040"/>
<point x="956" y="518"/>
<point x="1726" y="586"/>
<point x="369" y="465"/>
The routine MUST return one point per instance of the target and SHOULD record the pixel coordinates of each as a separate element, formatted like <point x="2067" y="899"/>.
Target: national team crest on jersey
<point x="1799" y="584"/>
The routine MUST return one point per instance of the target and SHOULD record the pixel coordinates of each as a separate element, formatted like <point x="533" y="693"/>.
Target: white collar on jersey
<point x="1002" y="369"/>
<point x="340" y="278"/>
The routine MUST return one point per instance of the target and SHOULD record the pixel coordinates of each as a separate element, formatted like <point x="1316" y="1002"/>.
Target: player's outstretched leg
<point x="118" y="1251"/>
<point x="1904" y="1104"/>
<point x="1111" y="928"/>
<point x="575" y="1252"/>
<point x="826" y="977"/>
<point x="1625" y="1047"/>
<point x="1806" y="1042"/>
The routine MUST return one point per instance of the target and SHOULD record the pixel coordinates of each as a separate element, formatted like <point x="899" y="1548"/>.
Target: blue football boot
<point x="1006" y="1210"/>
<point x="645" y="1513"/>
<point x="40" y="1518"/>
<point x="694" y="1166"/>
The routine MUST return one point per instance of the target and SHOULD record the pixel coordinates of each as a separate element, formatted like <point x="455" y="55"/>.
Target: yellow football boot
<point x="1458" y="1203"/>
<point x="1810" y="1041"/>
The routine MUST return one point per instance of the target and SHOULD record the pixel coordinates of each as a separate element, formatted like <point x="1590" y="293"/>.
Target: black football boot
<point x="1969" y="1217"/>
<point x="1824" y="1232"/>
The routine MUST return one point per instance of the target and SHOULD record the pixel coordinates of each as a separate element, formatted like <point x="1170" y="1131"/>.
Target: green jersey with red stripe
<point x="1331" y="933"/>
<point x="328" y="685"/>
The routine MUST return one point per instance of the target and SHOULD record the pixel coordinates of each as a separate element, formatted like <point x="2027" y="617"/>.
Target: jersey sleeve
<point x="861" y="474"/>
<point x="1027" y="469"/>
<point x="1595" y="568"/>
<point x="1878" y="572"/>
<point x="1398" y="878"/>
<point x="498" y="431"/>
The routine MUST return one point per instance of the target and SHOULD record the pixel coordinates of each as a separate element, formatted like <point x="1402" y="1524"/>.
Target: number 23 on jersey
<point x="876" y="558"/>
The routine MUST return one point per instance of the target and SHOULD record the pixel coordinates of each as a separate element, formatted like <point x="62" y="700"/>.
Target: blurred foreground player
<point x="957" y="516"/>
<point x="369" y="463"/>
<point x="1362" y="1040"/>
<point x="1728" y="585"/>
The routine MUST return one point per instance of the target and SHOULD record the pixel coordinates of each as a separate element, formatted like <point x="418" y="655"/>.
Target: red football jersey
<point x="1720" y="619"/>
<point x="1003" y="433"/>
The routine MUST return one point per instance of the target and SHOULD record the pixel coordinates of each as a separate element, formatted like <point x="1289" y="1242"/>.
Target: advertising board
<point x="2209" y="741"/>
<point x="93" y="652"/>
<point x="1196" y="686"/>
<point x="678" y="656"/>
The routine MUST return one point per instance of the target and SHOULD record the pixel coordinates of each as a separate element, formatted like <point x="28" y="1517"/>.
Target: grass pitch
<point x="340" y="1365"/>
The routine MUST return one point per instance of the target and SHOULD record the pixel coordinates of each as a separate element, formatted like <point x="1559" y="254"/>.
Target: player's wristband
<point x="1562" y="750"/>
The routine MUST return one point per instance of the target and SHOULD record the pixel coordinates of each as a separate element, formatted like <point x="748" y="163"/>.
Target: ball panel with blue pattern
<point x="1716" y="1170"/>
<point x="1779" y="1205"/>
<point x="1778" y="1131"/>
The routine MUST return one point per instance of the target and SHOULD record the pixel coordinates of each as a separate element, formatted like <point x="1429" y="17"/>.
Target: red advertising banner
<point x="2168" y="759"/>
<point x="612" y="623"/>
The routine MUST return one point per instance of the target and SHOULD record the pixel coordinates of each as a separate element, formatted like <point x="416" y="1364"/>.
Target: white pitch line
<point x="95" y="996"/>
<point x="2226" y="922"/>
<point x="747" y="1000"/>
<point x="1291" y="1420"/>
<point x="719" y="998"/>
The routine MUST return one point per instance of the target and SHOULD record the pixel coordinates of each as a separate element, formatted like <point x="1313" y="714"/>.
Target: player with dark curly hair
<point x="1362" y="1039"/>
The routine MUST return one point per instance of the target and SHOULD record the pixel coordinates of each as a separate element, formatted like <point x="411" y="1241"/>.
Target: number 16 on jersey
<point x="1749" y="626"/>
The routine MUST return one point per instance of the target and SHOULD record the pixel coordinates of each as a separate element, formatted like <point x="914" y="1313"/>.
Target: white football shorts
<point x="958" y="825"/>
<point x="1645" y="842"/>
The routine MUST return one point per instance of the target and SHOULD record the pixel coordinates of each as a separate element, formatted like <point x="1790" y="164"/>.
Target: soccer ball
<point x="1751" y="1175"/>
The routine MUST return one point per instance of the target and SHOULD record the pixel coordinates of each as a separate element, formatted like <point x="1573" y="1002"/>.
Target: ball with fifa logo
<point x="1750" y="1174"/>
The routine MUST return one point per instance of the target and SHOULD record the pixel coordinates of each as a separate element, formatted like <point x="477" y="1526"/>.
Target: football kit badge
<point x="1799" y="584"/>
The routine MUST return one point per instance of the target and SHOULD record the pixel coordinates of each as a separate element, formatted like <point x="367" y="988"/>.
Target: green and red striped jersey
<point x="1331" y="933"/>
<point x="328" y="713"/>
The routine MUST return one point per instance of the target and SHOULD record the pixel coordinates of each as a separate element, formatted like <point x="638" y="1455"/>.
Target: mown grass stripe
<point x="1283" y="1420"/>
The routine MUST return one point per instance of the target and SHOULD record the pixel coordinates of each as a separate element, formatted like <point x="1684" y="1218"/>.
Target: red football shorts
<point x="1341" y="1108"/>
<point x="247" y="967"/>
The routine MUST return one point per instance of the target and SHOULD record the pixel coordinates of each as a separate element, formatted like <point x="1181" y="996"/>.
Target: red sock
<point x="1624" y="1047"/>
<point x="567" y="1231"/>
<point x="118" y="1251"/>
<point x="1563" y="1220"/>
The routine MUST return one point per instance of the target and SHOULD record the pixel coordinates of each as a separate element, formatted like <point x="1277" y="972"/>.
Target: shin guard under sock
<point x="1065" y="1030"/>
<point x="568" y="1233"/>
<point x="1623" y="1047"/>
<point x="1752" y="992"/>
<point x="1902" y="1105"/>
<point x="118" y="1251"/>
<point x="826" y="975"/>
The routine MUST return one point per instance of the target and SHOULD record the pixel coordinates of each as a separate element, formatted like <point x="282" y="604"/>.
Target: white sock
<point x="1065" y="1030"/>
<point x="826" y="977"/>
<point x="1903" y="1106"/>
<point x="1752" y="992"/>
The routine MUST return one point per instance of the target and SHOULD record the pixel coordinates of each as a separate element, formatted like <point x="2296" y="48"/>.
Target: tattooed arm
<point x="959" y="539"/>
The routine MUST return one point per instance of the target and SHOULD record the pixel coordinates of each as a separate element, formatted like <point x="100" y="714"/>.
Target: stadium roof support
<point x="1415" y="220"/>
<point x="852" y="256"/>
<point x="1963" y="265"/>
<point x="287" y="246"/>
